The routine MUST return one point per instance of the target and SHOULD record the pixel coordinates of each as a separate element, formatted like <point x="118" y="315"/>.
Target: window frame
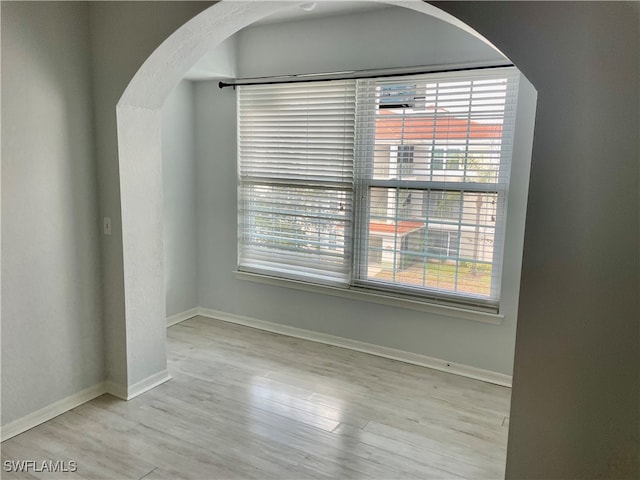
<point x="271" y="149"/>
<point x="361" y="250"/>
<point x="419" y="295"/>
<point x="365" y="173"/>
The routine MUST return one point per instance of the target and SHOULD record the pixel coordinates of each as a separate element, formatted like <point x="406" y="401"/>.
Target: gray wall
<point x="123" y="35"/>
<point x="215" y="154"/>
<point x="330" y="44"/>
<point x="386" y="38"/>
<point x="179" y="198"/>
<point x="219" y="62"/>
<point x="575" y="400"/>
<point x="52" y="339"/>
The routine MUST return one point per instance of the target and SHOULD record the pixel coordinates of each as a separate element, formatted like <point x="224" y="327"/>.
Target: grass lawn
<point x="441" y="276"/>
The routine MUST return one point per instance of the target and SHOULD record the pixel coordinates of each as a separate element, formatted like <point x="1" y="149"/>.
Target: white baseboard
<point x="34" y="419"/>
<point x="116" y="389"/>
<point x="380" y="351"/>
<point x="128" y="392"/>
<point x="182" y="316"/>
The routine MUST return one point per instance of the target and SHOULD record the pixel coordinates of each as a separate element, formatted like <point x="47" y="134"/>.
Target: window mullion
<point x="363" y="171"/>
<point x="433" y="185"/>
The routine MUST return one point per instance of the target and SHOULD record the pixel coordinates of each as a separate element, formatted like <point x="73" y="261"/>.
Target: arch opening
<point x="139" y="147"/>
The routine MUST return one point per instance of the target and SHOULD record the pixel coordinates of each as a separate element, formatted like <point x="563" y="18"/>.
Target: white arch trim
<point x="139" y="152"/>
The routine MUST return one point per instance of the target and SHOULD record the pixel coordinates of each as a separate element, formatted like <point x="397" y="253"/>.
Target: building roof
<point x="401" y="227"/>
<point x="439" y="124"/>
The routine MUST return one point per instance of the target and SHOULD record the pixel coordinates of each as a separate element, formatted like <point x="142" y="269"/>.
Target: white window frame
<point x="295" y="160"/>
<point x="399" y="297"/>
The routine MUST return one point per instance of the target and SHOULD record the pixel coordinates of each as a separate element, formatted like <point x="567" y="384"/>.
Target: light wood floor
<point x="250" y="404"/>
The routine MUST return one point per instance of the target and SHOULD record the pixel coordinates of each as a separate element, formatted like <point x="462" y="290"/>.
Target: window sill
<point x="374" y="297"/>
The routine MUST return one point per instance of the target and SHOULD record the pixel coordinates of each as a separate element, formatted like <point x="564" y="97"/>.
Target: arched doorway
<point x="141" y="182"/>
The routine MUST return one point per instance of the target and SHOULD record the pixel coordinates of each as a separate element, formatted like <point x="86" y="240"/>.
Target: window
<point x="404" y="159"/>
<point x="438" y="156"/>
<point x="446" y="159"/>
<point x="341" y="183"/>
<point x="295" y="154"/>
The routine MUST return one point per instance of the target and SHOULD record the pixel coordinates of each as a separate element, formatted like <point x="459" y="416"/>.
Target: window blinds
<point x="433" y="167"/>
<point x="397" y="183"/>
<point x="295" y="189"/>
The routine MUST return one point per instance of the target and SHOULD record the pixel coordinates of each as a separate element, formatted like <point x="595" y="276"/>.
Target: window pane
<point x="296" y="227"/>
<point x="295" y="169"/>
<point x="432" y="239"/>
<point x="435" y="226"/>
<point x="455" y="127"/>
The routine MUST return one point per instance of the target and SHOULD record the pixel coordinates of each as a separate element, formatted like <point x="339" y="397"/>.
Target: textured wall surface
<point x="123" y="36"/>
<point x="386" y="38"/>
<point x="179" y="198"/>
<point x="52" y="344"/>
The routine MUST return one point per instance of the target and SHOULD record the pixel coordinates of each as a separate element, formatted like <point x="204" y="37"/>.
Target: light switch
<point x="106" y="225"/>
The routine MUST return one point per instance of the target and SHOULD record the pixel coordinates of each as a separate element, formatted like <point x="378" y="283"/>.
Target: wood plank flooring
<point x="249" y="404"/>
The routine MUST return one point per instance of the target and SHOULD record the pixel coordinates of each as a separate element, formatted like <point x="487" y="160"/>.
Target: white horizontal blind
<point x="295" y="167"/>
<point x="433" y="165"/>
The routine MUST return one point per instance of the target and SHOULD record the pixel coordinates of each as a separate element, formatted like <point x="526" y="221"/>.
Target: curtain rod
<point x="354" y="75"/>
